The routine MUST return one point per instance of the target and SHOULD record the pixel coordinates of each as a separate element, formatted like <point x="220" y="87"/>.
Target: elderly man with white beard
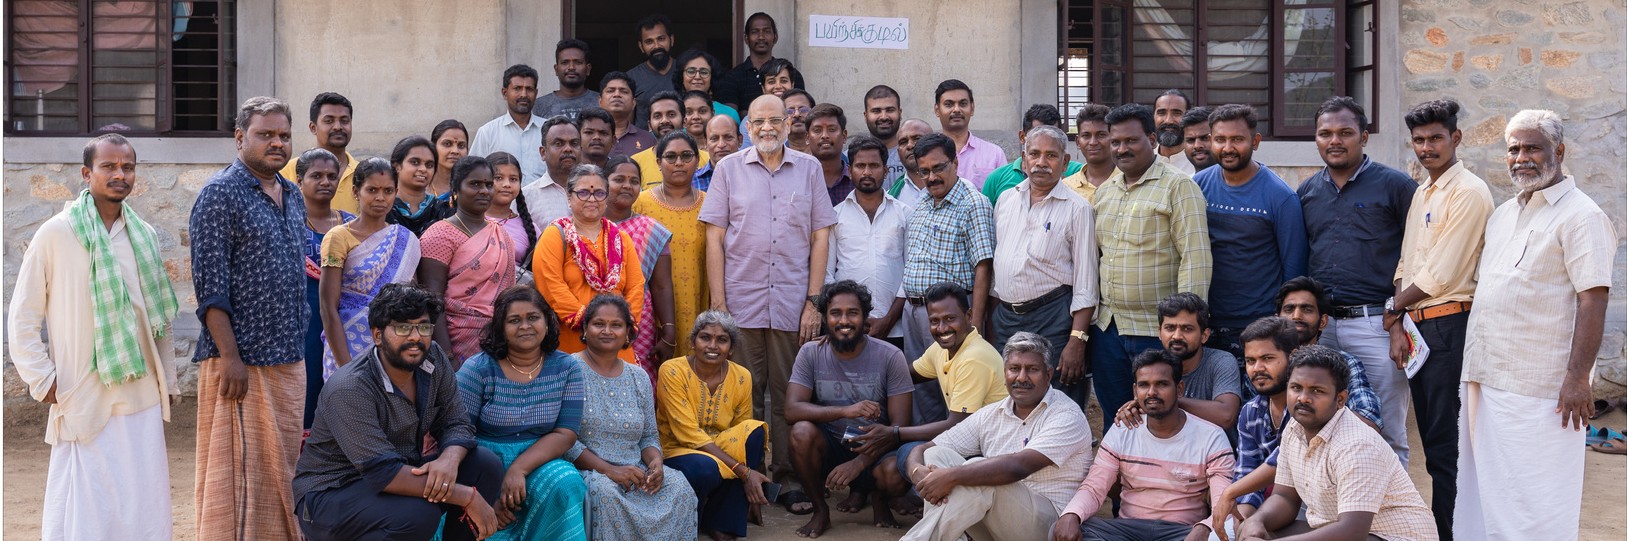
<point x="1532" y="338"/>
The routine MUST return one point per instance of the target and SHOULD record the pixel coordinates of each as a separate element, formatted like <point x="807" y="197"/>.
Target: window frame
<point x="1279" y="69"/>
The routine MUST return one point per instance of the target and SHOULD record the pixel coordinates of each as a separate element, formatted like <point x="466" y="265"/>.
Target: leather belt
<point x="1361" y="310"/>
<point x="916" y="301"/>
<point x="1030" y="305"/>
<point x="1440" y="310"/>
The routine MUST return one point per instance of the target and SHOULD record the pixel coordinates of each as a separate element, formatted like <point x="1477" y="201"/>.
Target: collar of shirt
<point x="887" y="200"/>
<point x="956" y="196"/>
<point x="1009" y="406"/>
<point x="1327" y="177"/>
<point x="534" y="124"/>
<point x="425" y="370"/>
<point x="970" y="337"/>
<point x="752" y="156"/>
<point x="1154" y="172"/>
<point x="1057" y="191"/>
<point x="1325" y="435"/>
<point x="1446" y="179"/>
<point x="1552" y="194"/>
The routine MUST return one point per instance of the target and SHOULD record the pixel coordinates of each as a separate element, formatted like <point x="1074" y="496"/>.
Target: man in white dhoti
<point x="1532" y="338"/>
<point x="94" y="280"/>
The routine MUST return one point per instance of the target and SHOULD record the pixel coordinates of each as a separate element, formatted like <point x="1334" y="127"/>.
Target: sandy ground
<point x="1604" y="507"/>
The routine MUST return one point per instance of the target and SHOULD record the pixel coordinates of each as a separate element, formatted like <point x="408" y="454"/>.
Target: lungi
<point x="1519" y="471"/>
<point x="115" y="486"/>
<point x="246" y="453"/>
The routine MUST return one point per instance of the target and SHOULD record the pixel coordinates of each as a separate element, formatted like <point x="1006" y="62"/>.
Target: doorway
<point x="610" y="30"/>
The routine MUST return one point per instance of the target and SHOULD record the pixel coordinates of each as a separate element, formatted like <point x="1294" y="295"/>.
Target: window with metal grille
<point x="138" y="67"/>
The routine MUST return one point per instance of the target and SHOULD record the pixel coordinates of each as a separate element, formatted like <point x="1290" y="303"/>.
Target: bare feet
<point x="853" y="502"/>
<point x="816" y="526"/>
<point x="721" y="536"/>
<point x="882" y="516"/>
<point x="909" y="504"/>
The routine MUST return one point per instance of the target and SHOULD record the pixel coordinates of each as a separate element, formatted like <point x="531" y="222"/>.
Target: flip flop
<point x="1601" y="408"/>
<point x="1616" y="446"/>
<point x="1596" y="434"/>
<point x="792" y="498"/>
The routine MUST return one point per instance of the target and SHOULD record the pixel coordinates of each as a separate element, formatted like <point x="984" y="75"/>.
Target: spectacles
<point x="938" y="169"/>
<point x="678" y="157"/>
<point x="405" y="329"/>
<point x="797" y="110"/>
<point x="591" y="195"/>
<point x="697" y="71"/>
<point x="760" y="122"/>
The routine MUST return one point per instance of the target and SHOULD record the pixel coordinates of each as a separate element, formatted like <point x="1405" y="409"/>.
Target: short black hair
<point x="690" y="56"/>
<point x="861" y="143"/>
<point x="1322" y="357"/>
<point x="397" y="303"/>
<point x="880" y="92"/>
<point x="951" y="84"/>
<point x="620" y="304"/>
<point x="651" y="20"/>
<point x="330" y="98"/>
<point x="1233" y="111"/>
<point x="618" y="76"/>
<point x="1132" y="112"/>
<point x="398" y="155"/>
<point x="828" y="110"/>
<point x="1195" y="116"/>
<point x="518" y="70"/>
<point x="494" y="341"/>
<point x="556" y="120"/>
<point x="1092" y="112"/>
<point x="1184" y="301"/>
<point x="593" y="112"/>
<point x="945" y="290"/>
<point x="1044" y="113"/>
<point x="571" y="43"/>
<point x="774" y="67"/>
<point x="110" y="138"/>
<point x="760" y="15"/>
<point x="1442" y="111"/>
<point x="845" y="287"/>
<point x="666" y="140"/>
<point x="665" y="95"/>
<point x="1186" y="101"/>
<point x="1153" y="357"/>
<point x="1324" y="302"/>
<point x="1277" y="329"/>
<point x="1344" y="103"/>
<point x="936" y="141"/>
<point x="800" y="92"/>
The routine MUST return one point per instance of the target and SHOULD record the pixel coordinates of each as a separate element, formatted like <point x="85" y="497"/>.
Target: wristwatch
<point x="813" y="299"/>
<point x="1390" y="309"/>
<point x="1081" y="335"/>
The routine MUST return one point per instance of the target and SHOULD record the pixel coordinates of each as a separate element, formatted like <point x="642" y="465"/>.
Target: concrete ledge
<point x="149" y="150"/>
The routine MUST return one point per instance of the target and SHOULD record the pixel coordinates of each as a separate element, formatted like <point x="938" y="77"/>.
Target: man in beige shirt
<point x="108" y="476"/>
<point x="1435" y="284"/>
<point x="1098" y="154"/>
<point x="1539" y="316"/>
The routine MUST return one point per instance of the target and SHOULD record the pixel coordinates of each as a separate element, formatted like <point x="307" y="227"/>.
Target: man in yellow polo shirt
<point x="330" y="123"/>
<point x="666" y="116"/>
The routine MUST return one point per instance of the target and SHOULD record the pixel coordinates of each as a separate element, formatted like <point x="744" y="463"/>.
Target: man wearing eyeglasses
<point x="798" y="103"/>
<point x="768" y="219"/>
<point x="666" y="116"/>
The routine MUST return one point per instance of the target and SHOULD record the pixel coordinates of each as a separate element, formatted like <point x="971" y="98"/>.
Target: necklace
<point x="461" y="225"/>
<point x="529" y="375"/>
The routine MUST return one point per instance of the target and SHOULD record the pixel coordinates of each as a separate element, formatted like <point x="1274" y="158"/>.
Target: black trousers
<point x="1436" y="402"/>
<point x="1053" y="321"/>
<point x="358" y="512"/>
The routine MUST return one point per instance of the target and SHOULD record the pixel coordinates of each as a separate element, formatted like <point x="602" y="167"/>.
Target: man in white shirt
<point x="561" y="150"/>
<point x="1167" y="112"/>
<point x="867" y="245"/>
<point x="517" y="131"/>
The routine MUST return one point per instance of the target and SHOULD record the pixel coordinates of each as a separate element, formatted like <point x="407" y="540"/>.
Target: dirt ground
<point x="1604" y="505"/>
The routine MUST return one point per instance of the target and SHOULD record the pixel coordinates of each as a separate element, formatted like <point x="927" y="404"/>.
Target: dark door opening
<point x="611" y="30"/>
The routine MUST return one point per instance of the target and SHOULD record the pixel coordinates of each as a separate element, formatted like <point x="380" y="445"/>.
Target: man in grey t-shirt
<point x="571" y="67"/>
<point x="654" y="75"/>
<point x="1209" y="377"/>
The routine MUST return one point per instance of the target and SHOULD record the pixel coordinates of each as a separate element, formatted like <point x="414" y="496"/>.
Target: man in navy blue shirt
<point x="1256" y="232"/>
<point x="1355" y="217"/>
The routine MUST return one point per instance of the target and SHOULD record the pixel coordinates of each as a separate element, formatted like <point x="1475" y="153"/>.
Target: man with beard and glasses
<point x="616" y="97"/>
<point x="571" y="67"/>
<point x="517" y="132"/>
<point x="844" y="384"/>
<point x="1256" y="232"/>
<point x="949" y="238"/>
<point x="1154" y="236"/>
<point x="1532" y="338"/>
<point x="596" y="128"/>
<point x="827" y="132"/>
<point x="974" y="158"/>
<point x="768" y="220"/>
<point x="654" y="75"/>
<point x="561" y="151"/>
<point x="330" y="123"/>
<point x="1006" y="176"/>
<point x="1336" y="468"/>
<point x="666" y="116"/>
<point x="1209" y="377"/>
<point x="742" y="85"/>
<point x="365" y="472"/>
<point x="1167" y="112"/>
<point x="1045" y="262"/>
<point x="1169" y="468"/>
<point x="1195" y="131"/>
<point x="1093" y="145"/>
<point x="883" y="115"/>
<point x="910" y="187"/>
<point x="1435" y="280"/>
<point x="867" y="243"/>
<point x="798" y="103"/>
<point x="1005" y="473"/>
<point x="1355" y="212"/>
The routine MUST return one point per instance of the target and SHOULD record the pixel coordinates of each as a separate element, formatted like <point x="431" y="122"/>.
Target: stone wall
<point x="1496" y="57"/>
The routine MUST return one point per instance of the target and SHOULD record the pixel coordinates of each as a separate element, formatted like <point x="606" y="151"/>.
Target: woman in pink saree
<point x="467" y="259"/>
<point x="357" y="259"/>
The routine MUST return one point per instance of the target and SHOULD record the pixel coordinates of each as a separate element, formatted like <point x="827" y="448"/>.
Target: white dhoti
<point x="115" y="486"/>
<point x="997" y="513"/>
<point x="1519" y="470"/>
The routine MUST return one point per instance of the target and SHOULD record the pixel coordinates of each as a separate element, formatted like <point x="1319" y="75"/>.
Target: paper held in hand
<point x="1420" y="350"/>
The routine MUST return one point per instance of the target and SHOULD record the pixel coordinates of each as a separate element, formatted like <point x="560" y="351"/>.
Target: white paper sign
<point x="858" y="32"/>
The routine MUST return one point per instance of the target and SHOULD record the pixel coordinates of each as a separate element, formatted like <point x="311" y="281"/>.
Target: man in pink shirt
<point x="974" y="157"/>
<point x="1166" y="466"/>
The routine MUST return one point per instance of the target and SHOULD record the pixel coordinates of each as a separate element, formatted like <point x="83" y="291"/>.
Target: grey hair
<point x="1027" y="342"/>
<point x="261" y="106"/>
<point x="1543" y="120"/>
<point x="1047" y="130"/>
<point x="583" y="170"/>
<point x="719" y="318"/>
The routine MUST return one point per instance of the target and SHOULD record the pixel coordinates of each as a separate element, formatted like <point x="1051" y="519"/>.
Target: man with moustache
<point x="1532" y="338"/>
<point x="654" y="75"/>
<point x="827" y="132"/>
<point x="953" y="103"/>
<point x="1007" y="471"/>
<point x="867" y="243"/>
<point x="330" y="123"/>
<point x="768" y="221"/>
<point x="561" y="150"/>
<point x="571" y="67"/>
<point x="1093" y="145"/>
<point x="1168" y="468"/>
<point x="798" y="103"/>
<point x="1167" y="112"/>
<point x="910" y="187"/>
<point x="1256" y="232"/>
<point x="1210" y="388"/>
<point x="1435" y="280"/>
<point x="742" y="85"/>
<point x="882" y="115"/>
<point x="1335" y="468"/>
<point x="1305" y="303"/>
<point x="518" y="131"/>
<point x="666" y="116"/>
<point x="248" y="268"/>
<point x="365" y="472"/>
<point x="722" y="138"/>
<point x="94" y="277"/>
<point x="1355" y="212"/>
<point x="844" y="383"/>
<point x="596" y="128"/>
<point x="616" y="97"/>
<point x="1195" y="130"/>
<point x="1008" y="175"/>
<point x="1045" y="261"/>
<point x="1154" y="236"/>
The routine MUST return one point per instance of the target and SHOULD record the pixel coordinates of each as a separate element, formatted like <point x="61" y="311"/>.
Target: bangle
<point x="736" y="467"/>
<point x="668" y="325"/>
<point x="670" y="344"/>
<point x="912" y="470"/>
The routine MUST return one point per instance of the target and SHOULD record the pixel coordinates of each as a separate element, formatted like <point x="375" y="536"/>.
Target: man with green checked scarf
<point x="93" y="279"/>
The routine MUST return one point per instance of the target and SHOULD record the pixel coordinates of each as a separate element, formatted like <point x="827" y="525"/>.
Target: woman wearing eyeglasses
<point x="677" y="205"/>
<point x="699" y="70"/>
<point x="467" y="260"/>
<point x="585" y="254"/>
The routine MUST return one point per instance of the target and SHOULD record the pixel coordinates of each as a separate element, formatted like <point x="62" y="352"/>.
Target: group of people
<point x="647" y="311"/>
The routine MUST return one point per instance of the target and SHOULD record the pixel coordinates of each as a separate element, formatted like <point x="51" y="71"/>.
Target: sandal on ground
<point x="1600" y="434"/>
<point x="794" y="498"/>
<point x="1616" y="446"/>
<point x="1601" y="408"/>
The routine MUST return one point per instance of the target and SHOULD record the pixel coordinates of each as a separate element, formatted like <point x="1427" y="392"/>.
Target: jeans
<point x="1110" y="365"/>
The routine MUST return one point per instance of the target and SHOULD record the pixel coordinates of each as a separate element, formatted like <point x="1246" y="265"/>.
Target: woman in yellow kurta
<point x="677" y="205"/>
<point x="706" y="427"/>
<point x="584" y="254"/>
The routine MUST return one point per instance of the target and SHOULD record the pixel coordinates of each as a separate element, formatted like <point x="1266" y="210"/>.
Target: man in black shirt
<point x="742" y="84"/>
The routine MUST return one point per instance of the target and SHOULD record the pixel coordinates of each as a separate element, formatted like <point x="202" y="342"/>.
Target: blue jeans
<point x="1110" y="365"/>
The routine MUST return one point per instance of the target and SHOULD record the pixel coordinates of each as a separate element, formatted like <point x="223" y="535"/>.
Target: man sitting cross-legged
<point x="1027" y="455"/>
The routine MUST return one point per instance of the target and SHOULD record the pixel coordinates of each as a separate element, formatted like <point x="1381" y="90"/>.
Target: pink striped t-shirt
<point x="1164" y="479"/>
